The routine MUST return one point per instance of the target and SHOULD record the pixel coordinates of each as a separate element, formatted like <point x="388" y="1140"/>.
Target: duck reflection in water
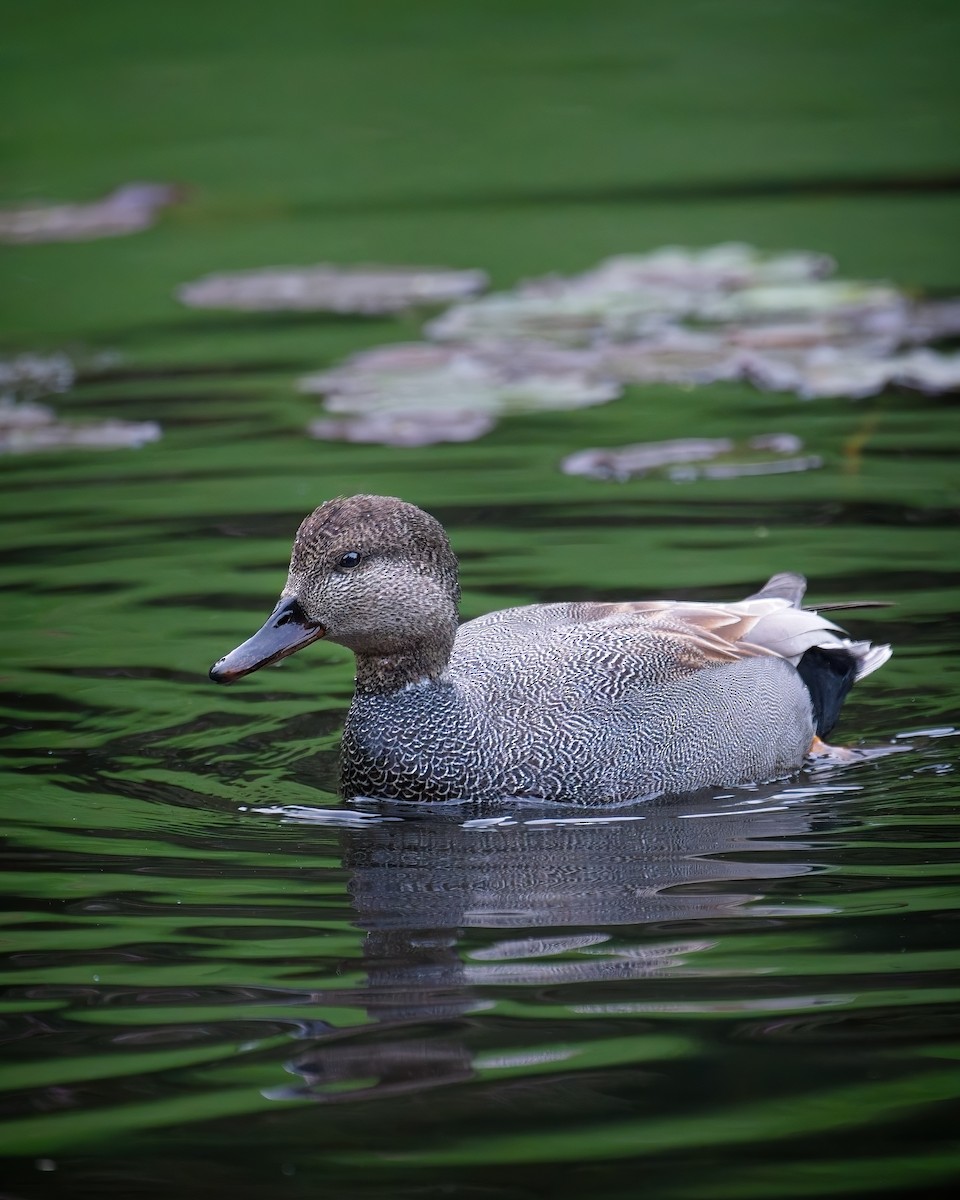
<point x="597" y="909"/>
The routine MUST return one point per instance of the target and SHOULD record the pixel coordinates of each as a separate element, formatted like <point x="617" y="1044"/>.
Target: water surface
<point x="218" y="977"/>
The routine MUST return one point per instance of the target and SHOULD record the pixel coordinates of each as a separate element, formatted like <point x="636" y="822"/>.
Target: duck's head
<point x="370" y="572"/>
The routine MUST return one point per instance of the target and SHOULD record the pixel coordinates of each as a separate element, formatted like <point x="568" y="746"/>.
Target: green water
<point x="218" y="978"/>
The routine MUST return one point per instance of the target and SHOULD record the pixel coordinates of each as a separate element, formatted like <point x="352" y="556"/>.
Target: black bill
<point x="286" y="631"/>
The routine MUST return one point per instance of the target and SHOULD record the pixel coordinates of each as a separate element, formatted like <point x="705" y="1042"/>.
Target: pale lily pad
<point x="365" y="290"/>
<point x="630" y="462"/>
<point x="680" y="459"/>
<point x="408" y="428"/>
<point x="927" y="371"/>
<point x="674" y="316"/>
<point x="27" y="427"/>
<point x="820" y="372"/>
<point x="421" y="393"/>
<point x="567" y="318"/>
<point x="726" y="266"/>
<point x="842" y="299"/>
<point x="683" y="316"/>
<point x="826" y="371"/>
<point x="127" y="209"/>
<point x="25" y="415"/>
<point x="628" y="296"/>
<point x="674" y="355"/>
<point x="30" y="375"/>
<point x="741" y="470"/>
<point x="931" y="320"/>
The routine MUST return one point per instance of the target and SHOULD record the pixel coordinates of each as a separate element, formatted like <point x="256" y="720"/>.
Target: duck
<point x="582" y="702"/>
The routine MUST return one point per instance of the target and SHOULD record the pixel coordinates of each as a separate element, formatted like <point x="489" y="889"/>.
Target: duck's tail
<point x="833" y="663"/>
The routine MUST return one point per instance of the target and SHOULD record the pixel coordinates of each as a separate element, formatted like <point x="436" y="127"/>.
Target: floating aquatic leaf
<point x="740" y="470"/>
<point x="675" y="315"/>
<point x="570" y="319"/>
<point x="780" y="443"/>
<point x="729" y="265"/>
<point x="127" y="209"/>
<point x="409" y="427"/>
<point x="819" y="372"/>
<point x="837" y="298"/>
<point x="729" y="312"/>
<point x="368" y="290"/>
<point x="673" y="355"/>
<point x="927" y="371"/>
<point x="25" y="415"/>
<point x="421" y="393"/>
<point x="931" y="320"/>
<point x="30" y="375"/>
<point x="825" y="371"/>
<point x="629" y="462"/>
<point x="675" y="459"/>
<point x="28" y="427"/>
<point x="628" y="296"/>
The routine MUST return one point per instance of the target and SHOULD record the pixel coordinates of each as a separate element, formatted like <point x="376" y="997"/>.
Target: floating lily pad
<point x="127" y="209"/>
<point x="931" y="320"/>
<point x="628" y="296"/>
<point x="680" y="459"/>
<point x="569" y="319"/>
<point x="689" y="317"/>
<point x="409" y="427"/>
<point x="673" y="355"/>
<point x="369" y="290"/>
<point x="728" y="265"/>
<point x="673" y="316"/>
<point x="927" y="371"/>
<point x="30" y="375"/>
<point x="826" y="371"/>
<point x="28" y="427"/>
<point x="848" y="301"/>
<point x="415" y="394"/>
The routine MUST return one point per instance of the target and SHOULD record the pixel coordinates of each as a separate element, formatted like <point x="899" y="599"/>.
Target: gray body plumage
<point x="586" y="703"/>
<point x="537" y="702"/>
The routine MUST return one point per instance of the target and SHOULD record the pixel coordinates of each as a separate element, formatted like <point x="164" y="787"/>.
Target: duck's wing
<point x="650" y="642"/>
<point x="767" y="626"/>
<point x="761" y="625"/>
<point x="769" y="623"/>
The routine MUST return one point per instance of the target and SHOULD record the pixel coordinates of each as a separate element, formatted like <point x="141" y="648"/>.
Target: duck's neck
<point x="381" y="674"/>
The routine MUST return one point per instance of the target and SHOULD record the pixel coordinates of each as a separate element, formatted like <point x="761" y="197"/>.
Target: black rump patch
<point x="829" y="675"/>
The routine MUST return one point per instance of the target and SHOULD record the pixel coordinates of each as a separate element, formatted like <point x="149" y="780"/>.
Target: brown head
<point x="374" y="574"/>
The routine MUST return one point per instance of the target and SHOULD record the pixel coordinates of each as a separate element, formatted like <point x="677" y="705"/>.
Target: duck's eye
<point x="348" y="560"/>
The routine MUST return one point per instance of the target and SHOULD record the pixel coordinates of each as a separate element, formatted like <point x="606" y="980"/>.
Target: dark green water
<point x="216" y="977"/>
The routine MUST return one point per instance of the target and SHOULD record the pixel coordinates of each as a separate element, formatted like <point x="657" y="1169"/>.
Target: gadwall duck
<point x="585" y="703"/>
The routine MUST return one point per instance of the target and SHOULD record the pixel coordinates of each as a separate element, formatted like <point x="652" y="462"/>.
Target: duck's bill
<point x="286" y="631"/>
